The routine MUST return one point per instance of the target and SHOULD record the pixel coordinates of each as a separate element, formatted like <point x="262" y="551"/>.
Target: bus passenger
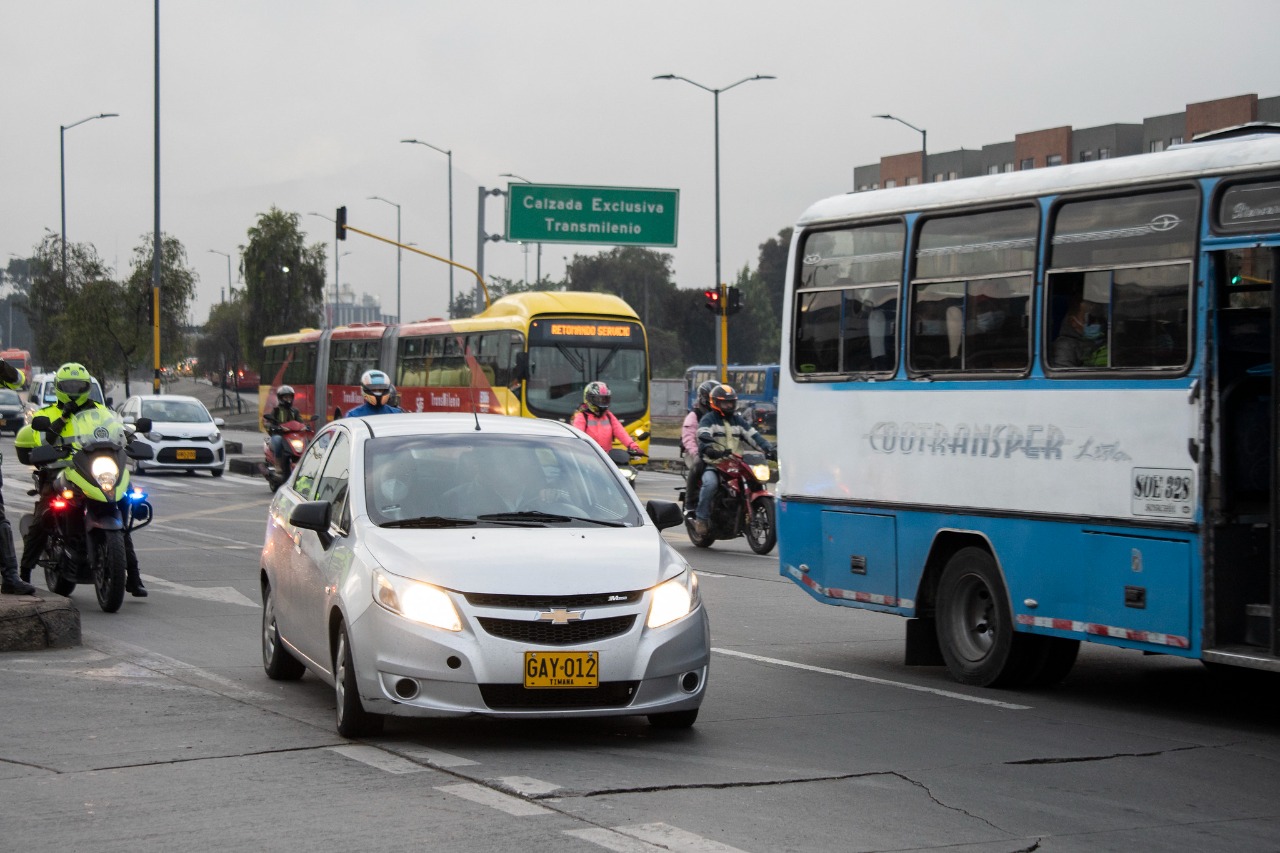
<point x="378" y="395"/>
<point x="1081" y="341"/>
<point x="594" y="418"/>
<point x="689" y="436"/>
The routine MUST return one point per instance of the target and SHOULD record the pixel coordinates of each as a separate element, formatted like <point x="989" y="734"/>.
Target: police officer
<point x="10" y="377"/>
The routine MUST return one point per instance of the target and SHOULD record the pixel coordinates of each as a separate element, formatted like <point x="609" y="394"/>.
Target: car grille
<point x="547" y="634"/>
<point x="546" y="602"/>
<point x="611" y="694"/>
<point x="170" y="454"/>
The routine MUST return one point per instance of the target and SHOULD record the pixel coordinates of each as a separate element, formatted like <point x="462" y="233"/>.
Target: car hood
<point x="524" y="561"/>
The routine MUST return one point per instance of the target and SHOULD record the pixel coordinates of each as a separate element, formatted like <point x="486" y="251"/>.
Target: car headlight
<point x="213" y="439"/>
<point x="673" y="599"/>
<point x="415" y="601"/>
<point x="105" y="471"/>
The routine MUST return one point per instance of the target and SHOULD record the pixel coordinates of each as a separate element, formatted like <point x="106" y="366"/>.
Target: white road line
<point x="164" y="528"/>
<point x="494" y="799"/>
<point x="612" y="840"/>
<point x="855" y="677"/>
<point x="670" y="837"/>
<point x="378" y="758"/>
<point x="220" y="594"/>
<point x="173" y="668"/>
<point x="527" y="786"/>
<point x="431" y="756"/>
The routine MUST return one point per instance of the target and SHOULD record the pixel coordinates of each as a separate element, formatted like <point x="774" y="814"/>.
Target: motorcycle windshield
<point x="97" y="428"/>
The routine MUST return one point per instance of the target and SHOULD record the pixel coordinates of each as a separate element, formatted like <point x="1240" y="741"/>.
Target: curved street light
<point x="231" y="290"/>
<point x="924" y="144"/>
<point x="62" y="174"/>
<point x="448" y="153"/>
<point x="398" y="250"/>
<point x="716" y="96"/>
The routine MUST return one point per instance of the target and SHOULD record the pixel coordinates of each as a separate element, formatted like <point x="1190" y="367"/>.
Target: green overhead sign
<point x="559" y="213"/>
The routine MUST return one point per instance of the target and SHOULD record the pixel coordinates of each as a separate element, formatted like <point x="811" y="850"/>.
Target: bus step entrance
<point x="1257" y="631"/>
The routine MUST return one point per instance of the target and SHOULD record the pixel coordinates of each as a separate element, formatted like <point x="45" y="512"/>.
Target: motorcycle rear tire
<point x="108" y="568"/>
<point x="699" y="541"/>
<point x="762" y="532"/>
<point x="54" y="582"/>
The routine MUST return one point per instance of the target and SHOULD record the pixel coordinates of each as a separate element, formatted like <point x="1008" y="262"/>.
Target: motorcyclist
<point x="378" y="395"/>
<point x="720" y="433"/>
<point x="12" y="378"/>
<point x="689" y="435"/>
<point x="594" y="418"/>
<point x="71" y="387"/>
<point x="274" y="422"/>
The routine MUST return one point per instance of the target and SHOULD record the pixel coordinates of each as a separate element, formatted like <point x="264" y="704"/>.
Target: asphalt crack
<point x="1082" y="758"/>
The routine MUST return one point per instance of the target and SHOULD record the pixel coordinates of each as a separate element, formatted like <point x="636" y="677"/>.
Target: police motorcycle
<point x="742" y="506"/>
<point x="87" y="478"/>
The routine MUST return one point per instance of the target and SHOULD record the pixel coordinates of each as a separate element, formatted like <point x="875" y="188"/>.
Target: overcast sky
<point x="302" y="104"/>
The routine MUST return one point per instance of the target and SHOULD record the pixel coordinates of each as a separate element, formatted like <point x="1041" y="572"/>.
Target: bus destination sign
<point x="575" y="331"/>
<point x="561" y="213"/>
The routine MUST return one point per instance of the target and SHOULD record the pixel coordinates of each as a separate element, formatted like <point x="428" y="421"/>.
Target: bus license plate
<point x="561" y="669"/>
<point x="1163" y="492"/>
<point x="186" y="454"/>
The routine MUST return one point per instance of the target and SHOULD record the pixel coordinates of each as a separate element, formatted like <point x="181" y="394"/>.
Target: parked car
<point x="40" y="394"/>
<point x="10" y="410"/>
<point x="183" y="435"/>
<point x="443" y="565"/>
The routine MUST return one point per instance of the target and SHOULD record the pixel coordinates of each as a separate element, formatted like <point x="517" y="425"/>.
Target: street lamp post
<point x="398" y="250"/>
<point x="716" y="97"/>
<point x="924" y="144"/>
<point x="230" y="290"/>
<point x="335" y="261"/>
<point x="448" y="153"/>
<point x="62" y="175"/>
<point x="538" y="268"/>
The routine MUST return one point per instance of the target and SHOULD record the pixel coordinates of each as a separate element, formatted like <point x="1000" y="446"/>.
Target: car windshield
<point x="9" y="398"/>
<point x="175" y="411"/>
<point x="434" y="481"/>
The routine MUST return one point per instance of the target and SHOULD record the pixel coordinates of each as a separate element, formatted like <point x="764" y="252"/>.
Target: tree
<point x="284" y="280"/>
<point x="130" y="328"/>
<point x="52" y="294"/>
<point x="464" y="301"/>
<point x="221" y="346"/>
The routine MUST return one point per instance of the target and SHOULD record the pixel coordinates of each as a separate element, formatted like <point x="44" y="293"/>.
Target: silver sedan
<point x="439" y="565"/>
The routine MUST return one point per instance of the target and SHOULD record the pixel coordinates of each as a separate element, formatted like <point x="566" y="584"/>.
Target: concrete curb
<point x="39" y="621"/>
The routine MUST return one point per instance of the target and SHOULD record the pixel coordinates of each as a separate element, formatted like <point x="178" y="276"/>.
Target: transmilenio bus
<point x="1030" y="409"/>
<point x="528" y="354"/>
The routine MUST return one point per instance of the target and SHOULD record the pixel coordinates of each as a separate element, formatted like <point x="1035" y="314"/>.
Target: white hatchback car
<point x="183" y="435"/>
<point x="430" y="565"/>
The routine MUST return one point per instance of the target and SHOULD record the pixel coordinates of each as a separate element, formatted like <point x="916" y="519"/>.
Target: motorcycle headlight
<point x="298" y="445"/>
<point x="673" y="599"/>
<point x="761" y="472"/>
<point x="418" y="602"/>
<point x="105" y="471"/>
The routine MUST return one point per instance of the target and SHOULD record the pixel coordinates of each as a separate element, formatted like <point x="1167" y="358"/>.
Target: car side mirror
<point x="109" y="399"/>
<point x="313" y="515"/>
<point x="522" y="365"/>
<point x="664" y="514"/>
<point x="619" y="456"/>
<point x="128" y="419"/>
<point x="218" y="422"/>
<point x="40" y="423"/>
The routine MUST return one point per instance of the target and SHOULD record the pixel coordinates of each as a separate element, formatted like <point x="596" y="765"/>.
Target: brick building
<point x="1058" y="145"/>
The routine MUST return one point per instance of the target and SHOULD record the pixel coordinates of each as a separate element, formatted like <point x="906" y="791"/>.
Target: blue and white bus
<point x="1030" y="409"/>
<point x="755" y="383"/>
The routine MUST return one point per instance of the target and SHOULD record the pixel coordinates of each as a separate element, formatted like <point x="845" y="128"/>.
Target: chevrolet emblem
<point x="559" y="616"/>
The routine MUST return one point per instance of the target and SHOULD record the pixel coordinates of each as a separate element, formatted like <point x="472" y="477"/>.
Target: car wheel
<point x="353" y="720"/>
<point x="674" y="719"/>
<point x="276" y="659"/>
<point x="217" y="472"/>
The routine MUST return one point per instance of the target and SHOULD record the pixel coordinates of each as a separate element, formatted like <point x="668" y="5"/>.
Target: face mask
<point x="1092" y="331"/>
<point x="990" y="321"/>
<point x="932" y="327"/>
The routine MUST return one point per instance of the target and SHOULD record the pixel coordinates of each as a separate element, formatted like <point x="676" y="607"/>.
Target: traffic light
<point x="713" y="299"/>
<point x="733" y="300"/>
<point x="341" y="222"/>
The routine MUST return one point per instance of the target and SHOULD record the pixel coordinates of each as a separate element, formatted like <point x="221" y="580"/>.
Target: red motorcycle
<point x="297" y="435"/>
<point x="741" y="506"/>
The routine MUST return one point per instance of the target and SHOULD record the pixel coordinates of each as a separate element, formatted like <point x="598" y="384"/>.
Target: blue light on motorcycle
<point x="137" y="495"/>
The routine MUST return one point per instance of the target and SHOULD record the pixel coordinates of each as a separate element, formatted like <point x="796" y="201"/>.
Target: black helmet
<point x="284" y="395"/>
<point x="597" y="397"/>
<point x="376" y="387"/>
<point x="724" y="400"/>
<point x="703" y="399"/>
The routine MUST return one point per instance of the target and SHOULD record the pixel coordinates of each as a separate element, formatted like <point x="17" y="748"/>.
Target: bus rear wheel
<point x="975" y="622"/>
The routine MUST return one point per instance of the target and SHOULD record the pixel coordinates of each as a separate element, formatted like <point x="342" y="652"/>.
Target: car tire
<point x="217" y="472"/>
<point x="352" y="719"/>
<point x="674" y="719"/>
<point x="279" y="664"/>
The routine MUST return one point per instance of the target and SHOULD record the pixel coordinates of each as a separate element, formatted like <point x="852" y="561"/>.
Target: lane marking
<point x="375" y="757"/>
<point x="669" y="837"/>
<point x="434" y="757"/>
<point x="179" y="671"/>
<point x="613" y="840"/>
<point x="527" y="786"/>
<point x="220" y="594"/>
<point x="494" y="799"/>
<point x="1009" y="706"/>
<point x="164" y="528"/>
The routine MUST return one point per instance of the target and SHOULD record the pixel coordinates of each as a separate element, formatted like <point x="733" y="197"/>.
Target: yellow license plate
<point x="186" y="454"/>
<point x="561" y="669"/>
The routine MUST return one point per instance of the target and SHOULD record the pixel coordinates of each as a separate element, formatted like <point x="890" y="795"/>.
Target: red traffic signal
<point x="713" y="299"/>
<point x="341" y="222"/>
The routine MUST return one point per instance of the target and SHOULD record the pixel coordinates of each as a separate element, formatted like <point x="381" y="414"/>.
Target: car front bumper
<point x="165" y="454"/>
